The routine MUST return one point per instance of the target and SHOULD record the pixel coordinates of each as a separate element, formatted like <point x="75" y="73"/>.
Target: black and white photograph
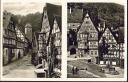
<point x="31" y="40"/>
<point x="95" y="40"/>
<point x="63" y="40"/>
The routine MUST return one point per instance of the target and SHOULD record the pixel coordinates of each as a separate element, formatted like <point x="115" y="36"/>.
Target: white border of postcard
<point x="64" y="40"/>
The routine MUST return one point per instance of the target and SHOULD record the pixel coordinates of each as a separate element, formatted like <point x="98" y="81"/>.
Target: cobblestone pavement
<point x="21" y="68"/>
<point x="121" y="73"/>
<point x="93" y="69"/>
<point x="81" y="74"/>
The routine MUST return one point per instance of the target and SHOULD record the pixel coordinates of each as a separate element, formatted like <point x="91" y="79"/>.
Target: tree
<point x="34" y="19"/>
<point x="111" y="12"/>
<point x="103" y="48"/>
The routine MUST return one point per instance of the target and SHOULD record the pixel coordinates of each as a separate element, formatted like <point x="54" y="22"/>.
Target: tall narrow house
<point x="109" y="46"/>
<point x="87" y="38"/>
<point x="56" y="32"/>
<point x="49" y="39"/>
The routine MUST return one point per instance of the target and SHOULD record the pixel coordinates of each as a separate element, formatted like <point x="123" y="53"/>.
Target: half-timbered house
<point x="87" y="38"/>
<point x="108" y="42"/>
<point x="49" y="38"/>
<point x="9" y="38"/>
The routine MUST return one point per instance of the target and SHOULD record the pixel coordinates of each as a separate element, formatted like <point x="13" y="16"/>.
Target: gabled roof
<point x="111" y="33"/>
<point x="87" y="15"/>
<point x="93" y="17"/>
<point x="53" y="11"/>
<point x="119" y="38"/>
<point x="59" y="22"/>
<point x="19" y="28"/>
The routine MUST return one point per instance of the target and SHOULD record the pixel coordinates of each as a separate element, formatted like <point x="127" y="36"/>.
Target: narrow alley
<point x="21" y="68"/>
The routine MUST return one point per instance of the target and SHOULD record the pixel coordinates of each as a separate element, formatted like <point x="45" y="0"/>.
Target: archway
<point x="19" y="55"/>
<point x="72" y="51"/>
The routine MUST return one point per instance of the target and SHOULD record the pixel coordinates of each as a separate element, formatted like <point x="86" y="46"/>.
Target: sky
<point x="22" y="7"/>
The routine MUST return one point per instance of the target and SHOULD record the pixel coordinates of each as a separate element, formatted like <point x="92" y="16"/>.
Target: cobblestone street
<point x="21" y="68"/>
<point x="92" y="69"/>
<point x="85" y="73"/>
<point x="121" y="73"/>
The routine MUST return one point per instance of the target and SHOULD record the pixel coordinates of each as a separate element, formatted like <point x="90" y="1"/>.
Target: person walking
<point x="39" y="58"/>
<point x="76" y="70"/>
<point x="73" y="72"/>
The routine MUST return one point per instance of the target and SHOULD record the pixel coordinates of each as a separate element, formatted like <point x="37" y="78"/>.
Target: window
<point x="95" y="52"/>
<point x="91" y="52"/>
<point x="81" y="35"/>
<point x="87" y="22"/>
<point x="4" y="17"/>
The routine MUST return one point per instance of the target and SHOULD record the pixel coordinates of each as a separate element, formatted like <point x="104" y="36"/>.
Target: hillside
<point x="112" y="13"/>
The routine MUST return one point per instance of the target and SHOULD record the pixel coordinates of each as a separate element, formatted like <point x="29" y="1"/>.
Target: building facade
<point x="115" y="49"/>
<point x="110" y="46"/>
<point x="121" y="46"/>
<point x="56" y="32"/>
<point x="22" y="42"/>
<point x="20" y="48"/>
<point x="87" y="38"/>
<point x="15" y="43"/>
<point x="9" y="38"/>
<point x="49" y="42"/>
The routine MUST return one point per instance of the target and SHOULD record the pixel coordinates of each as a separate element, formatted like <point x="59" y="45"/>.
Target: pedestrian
<point x="76" y="70"/>
<point x="73" y="70"/>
